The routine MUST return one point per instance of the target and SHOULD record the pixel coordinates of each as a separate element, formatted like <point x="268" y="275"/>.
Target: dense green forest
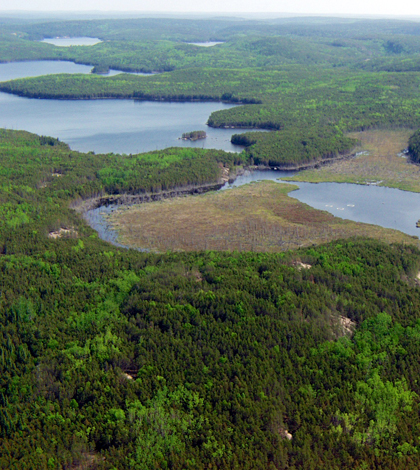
<point x="274" y="149"/>
<point x="116" y="359"/>
<point x="205" y="360"/>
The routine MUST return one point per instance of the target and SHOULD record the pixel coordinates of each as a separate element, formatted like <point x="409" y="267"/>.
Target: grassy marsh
<point x="257" y="217"/>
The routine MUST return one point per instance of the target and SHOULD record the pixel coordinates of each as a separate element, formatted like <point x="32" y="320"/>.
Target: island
<point x="194" y="135"/>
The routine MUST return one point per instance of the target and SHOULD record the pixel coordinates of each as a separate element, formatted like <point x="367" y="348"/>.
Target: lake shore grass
<point x="255" y="217"/>
<point x="379" y="162"/>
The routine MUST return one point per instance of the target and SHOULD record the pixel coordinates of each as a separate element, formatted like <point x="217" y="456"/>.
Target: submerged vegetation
<point x="112" y="358"/>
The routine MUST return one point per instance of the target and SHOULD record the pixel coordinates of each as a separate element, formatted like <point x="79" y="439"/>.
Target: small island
<point x="194" y="135"/>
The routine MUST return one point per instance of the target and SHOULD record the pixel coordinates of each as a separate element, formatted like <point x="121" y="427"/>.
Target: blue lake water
<point x="118" y="126"/>
<point x="36" y="68"/>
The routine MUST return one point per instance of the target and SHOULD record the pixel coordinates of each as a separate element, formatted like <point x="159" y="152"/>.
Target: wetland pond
<point x="377" y="205"/>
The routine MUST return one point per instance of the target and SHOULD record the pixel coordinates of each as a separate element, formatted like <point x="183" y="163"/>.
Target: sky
<point x="320" y="7"/>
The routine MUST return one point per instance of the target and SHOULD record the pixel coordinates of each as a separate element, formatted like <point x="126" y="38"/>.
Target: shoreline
<point x="126" y="199"/>
<point x="41" y="96"/>
<point x="85" y="205"/>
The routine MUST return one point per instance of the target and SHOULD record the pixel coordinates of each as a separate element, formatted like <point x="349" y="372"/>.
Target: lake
<point x="116" y="126"/>
<point x="36" y="68"/>
<point x="105" y="126"/>
<point x="206" y="44"/>
<point x="67" y="42"/>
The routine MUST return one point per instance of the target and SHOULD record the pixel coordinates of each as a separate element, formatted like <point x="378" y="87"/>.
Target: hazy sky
<point x="330" y="7"/>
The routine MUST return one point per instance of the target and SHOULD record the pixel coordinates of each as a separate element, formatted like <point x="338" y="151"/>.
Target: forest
<point x="112" y="358"/>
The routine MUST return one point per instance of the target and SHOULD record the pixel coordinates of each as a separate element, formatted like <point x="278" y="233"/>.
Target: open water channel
<point x="126" y="126"/>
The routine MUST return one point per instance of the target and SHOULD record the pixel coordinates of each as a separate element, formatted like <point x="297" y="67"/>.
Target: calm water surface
<point x="387" y="207"/>
<point x="118" y="126"/>
<point x="36" y="68"/>
<point x="67" y="42"/>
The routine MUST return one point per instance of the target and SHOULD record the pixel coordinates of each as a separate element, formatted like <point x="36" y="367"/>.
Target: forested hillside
<point x="131" y="360"/>
<point x="116" y="359"/>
